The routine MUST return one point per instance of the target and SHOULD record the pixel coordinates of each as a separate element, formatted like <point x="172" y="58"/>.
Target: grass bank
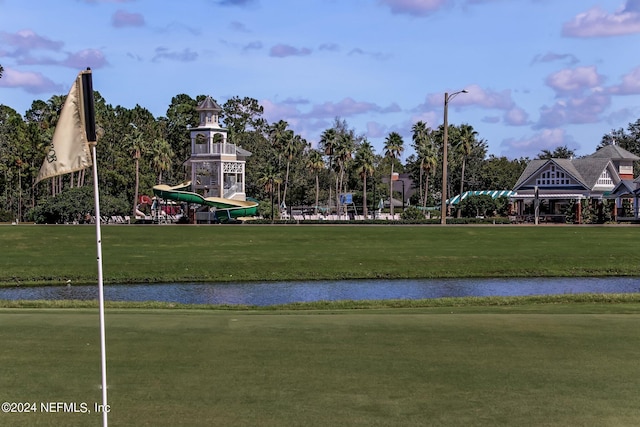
<point x="359" y="368"/>
<point x="33" y="254"/>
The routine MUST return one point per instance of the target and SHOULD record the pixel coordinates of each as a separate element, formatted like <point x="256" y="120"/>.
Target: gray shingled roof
<point x="208" y="104"/>
<point x="532" y="167"/>
<point x="585" y="170"/>
<point x="590" y="168"/>
<point x="626" y="186"/>
<point x="567" y="165"/>
<point x="614" y="152"/>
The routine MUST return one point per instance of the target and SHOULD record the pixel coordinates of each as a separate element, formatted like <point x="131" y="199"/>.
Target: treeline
<point x="137" y="151"/>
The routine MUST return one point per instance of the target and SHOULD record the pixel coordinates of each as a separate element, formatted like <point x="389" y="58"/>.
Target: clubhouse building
<point x="549" y="188"/>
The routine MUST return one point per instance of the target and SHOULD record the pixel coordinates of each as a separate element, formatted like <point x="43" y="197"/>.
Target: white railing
<point x="218" y="148"/>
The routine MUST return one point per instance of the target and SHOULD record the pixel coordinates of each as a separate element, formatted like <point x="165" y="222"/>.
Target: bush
<point x="482" y="205"/>
<point x="412" y="213"/>
<point x="73" y="205"/>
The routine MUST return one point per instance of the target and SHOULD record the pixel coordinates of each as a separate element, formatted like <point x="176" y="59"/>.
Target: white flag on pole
<point x="69" y="150"/>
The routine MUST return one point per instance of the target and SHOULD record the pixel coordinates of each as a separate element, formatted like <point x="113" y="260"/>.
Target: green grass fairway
<point x="529" y="361"/>
<point x="436" y="367"/>
<point x="54" y="254"/>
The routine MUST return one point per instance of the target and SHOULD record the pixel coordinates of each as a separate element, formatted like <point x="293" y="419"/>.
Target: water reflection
<point x="263" y="294"/>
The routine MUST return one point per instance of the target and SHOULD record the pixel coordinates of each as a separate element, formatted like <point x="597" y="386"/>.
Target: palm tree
<point x="393" y="148"/>
<point x="136" y="145"/>
<point x="161" y="157"/>
<point x="421" y="141"/>
<point x="328" y="142"/>
<point x="267" y="178"/>
<point x="315" y="163"/>
<point x="290" y="145"/>
<point x="278" y="135"/>
<point x="343" y="152"/>
<point x="430" y="161"/>
<point x="365" y="167"/>
<point x="464" y="145"/>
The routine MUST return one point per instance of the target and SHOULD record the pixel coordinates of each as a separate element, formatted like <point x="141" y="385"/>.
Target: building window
<point x="552" y="177"/>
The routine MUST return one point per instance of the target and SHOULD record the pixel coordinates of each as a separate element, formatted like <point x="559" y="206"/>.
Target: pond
<point x="271" y="293"/>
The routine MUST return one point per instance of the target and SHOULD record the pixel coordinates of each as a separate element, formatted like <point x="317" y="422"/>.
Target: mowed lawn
<point x="544" y="366"/>
<point x="54" y="254"/>
<point x="538" y="364"/>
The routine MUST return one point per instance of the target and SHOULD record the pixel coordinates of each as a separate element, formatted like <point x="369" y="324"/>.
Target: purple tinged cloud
<point x="574" y="80"/>
<point x="548" y="139"/>
<point x="31" y="82"/>
<point x="414" y="7"/>
<point x="576" y="110"/>
<point x="235" y="2"/>
<point x="252" y="46"/>
<point x="86" y="58"/>
<point x="475" y="96"/>
<point x="329" y="46"/>
<point x="632" y="6"/>
<point x="630" y="84"/>
<point x="596" y="22"/>
<point x="345" y="108"/>
<point x="25" y="41"/>
<point x="122" y="19"/>
<point x="516" y="117"/>
<point x="551" y="57"/>
<point x="186" y="55"/>
<point x="283" y="50"/>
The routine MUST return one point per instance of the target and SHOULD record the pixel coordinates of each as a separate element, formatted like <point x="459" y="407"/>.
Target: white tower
<point x="217" y="167"/>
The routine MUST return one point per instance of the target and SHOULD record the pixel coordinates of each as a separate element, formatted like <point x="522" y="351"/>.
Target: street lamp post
<point x="445" y="143"/>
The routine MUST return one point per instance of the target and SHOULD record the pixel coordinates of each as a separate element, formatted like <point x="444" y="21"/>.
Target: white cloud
<point x="596" y="22"/>
<point x="574" y="80"/>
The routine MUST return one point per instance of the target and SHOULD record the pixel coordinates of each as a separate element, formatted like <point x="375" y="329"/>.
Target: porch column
<point x="579" y="212"/>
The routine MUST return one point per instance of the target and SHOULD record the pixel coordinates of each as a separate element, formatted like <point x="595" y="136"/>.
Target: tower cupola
<point x="209" y="112"/>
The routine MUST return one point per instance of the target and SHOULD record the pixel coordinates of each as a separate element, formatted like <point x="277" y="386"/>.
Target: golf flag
<point x="69" y="150"/>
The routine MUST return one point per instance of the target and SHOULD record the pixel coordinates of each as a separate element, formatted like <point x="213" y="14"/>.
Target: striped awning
<point x="493" y="193"/>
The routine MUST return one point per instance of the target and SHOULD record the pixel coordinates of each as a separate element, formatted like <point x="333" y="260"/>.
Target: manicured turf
<point x="55" y="254"/>
<point x="528" y="361"/>
<point x="475" y="366"/>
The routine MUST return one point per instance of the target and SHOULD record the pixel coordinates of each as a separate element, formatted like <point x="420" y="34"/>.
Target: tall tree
<point x="364" y="162"/>
<point x="136" y="145"/>
<point x="328" y="143"/>
<point x="628" y="140"/>
<point x="241" y="116"/>
<point x="500" y="173"/>
<point x="161" y="157"/>
<point x="181" y="115"/>
<point x="315" y="163"/>
<point x="562" y="152"/>
<point x="393" y="148"/>
<point x="424" y="147"/>
<point x="293" y="144"/>
<point x="464" y="145"/>
<point x="278" y="136"/>
<point x="343" y="154"/>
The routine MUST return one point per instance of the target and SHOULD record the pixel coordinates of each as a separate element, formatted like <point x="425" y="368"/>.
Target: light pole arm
<point x="445" y="144"/>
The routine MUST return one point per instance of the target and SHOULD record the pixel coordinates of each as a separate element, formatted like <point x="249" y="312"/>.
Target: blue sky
<point x="540" y="73"/>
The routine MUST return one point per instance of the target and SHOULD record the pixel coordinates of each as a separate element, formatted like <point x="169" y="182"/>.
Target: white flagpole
<point x="91" y="137"/>
<point x="103" y="346"/>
